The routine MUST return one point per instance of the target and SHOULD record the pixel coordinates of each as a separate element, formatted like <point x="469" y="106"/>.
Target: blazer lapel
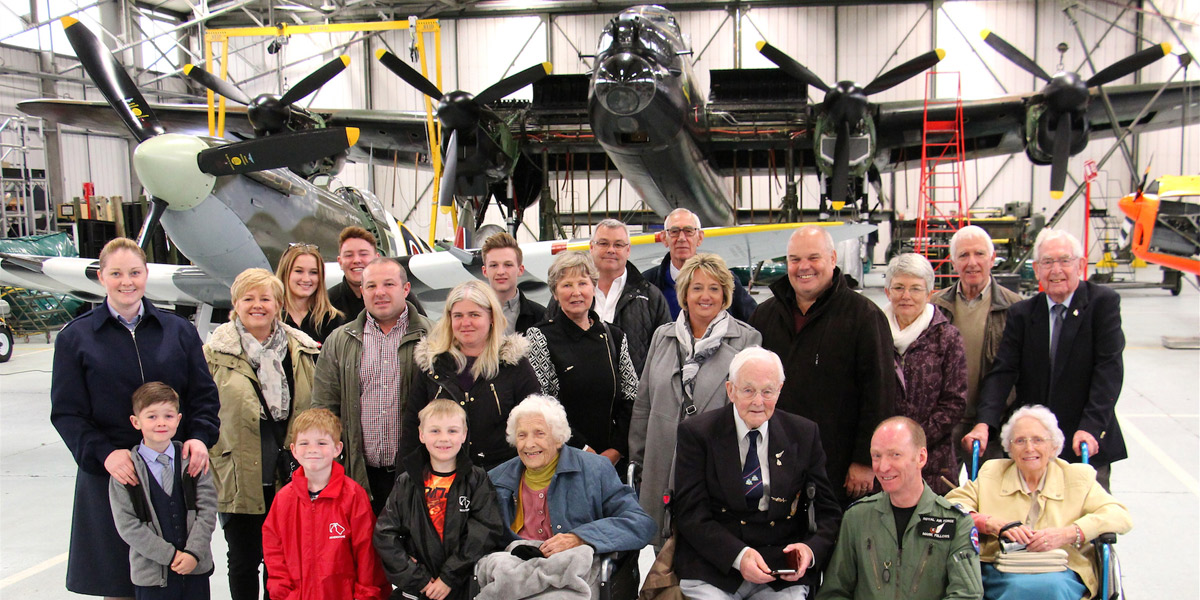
<point x="1039" y="337"/>
<point x="784" y="464"/>
<point x="1072" y="320"/>
<point x="728" y="460"/>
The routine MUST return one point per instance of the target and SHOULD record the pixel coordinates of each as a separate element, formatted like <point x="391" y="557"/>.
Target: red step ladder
<point x="943" y="202"/>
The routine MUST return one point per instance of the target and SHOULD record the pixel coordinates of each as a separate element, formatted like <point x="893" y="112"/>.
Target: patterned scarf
<point x="267" y="360"/>
<point x="698" y="351"/>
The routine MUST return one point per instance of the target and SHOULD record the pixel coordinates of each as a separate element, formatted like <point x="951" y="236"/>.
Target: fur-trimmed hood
<point x="512" y="348"/>
<point x="225" y="339"/>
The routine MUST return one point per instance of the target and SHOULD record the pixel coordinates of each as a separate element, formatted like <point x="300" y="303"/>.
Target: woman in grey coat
<point x="685" y="373"/>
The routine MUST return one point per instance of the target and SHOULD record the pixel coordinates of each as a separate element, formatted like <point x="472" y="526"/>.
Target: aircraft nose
<point x="625" y="83"/>
<point x="166" y="165"/>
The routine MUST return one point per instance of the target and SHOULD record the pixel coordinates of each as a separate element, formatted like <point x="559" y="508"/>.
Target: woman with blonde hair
<point x="306" y="304"/>
<point x="467" y="358"/>
<point x="264" y="373"/>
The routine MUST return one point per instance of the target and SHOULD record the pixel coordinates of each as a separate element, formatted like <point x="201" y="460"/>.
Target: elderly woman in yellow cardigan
<point x="1039" y="500"/>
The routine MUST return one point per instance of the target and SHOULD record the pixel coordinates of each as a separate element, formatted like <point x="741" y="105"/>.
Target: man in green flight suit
<point x="938" y="554"/>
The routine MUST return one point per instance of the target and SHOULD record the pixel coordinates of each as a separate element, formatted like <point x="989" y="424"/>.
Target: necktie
<point x="167" y="473"/>
<point x="1057" y="312"/>
<point x="752" y="473"/>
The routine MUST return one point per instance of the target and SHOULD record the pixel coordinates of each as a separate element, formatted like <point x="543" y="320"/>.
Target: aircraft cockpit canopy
<point x="643" y="31"/>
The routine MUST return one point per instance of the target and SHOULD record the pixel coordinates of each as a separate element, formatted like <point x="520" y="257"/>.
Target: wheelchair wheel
<point x="6" y="343"/>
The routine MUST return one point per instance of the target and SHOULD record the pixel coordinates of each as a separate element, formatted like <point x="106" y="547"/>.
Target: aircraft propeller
<point x="178" y="170"/>
<point x="269" y="113"/>
<point x="846" y="104"/>
<point x="458" y="111"/>
<point x="1066" y="95"/>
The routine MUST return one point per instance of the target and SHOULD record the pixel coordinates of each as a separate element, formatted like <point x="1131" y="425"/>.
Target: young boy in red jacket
<point x="317" y="537"/>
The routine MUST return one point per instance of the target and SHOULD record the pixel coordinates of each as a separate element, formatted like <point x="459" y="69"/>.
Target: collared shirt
<point x="130" y="325"/>
<point x="380" y="376"/>
<point x="150" y="455"/>
<point x="1050" y="304"/>
<point x="1035" y="507"/>
<point x="742" y="430"/>
<point x="675" y="271"/>
<point x="982" y="294"/>
<point x="511" y="310"/>
<point x="606" y="304"/>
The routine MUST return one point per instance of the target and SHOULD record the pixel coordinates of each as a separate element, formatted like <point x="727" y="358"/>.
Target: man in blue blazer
<point x="1061" y="349"/>
<point x="751" y="496"/>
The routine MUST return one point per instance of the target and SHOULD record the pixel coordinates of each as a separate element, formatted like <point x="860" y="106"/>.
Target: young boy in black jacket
<point x="442" y="514"/>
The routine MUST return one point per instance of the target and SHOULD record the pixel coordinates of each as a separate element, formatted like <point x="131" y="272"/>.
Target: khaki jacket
<point x="336" y="383"/>
<point x="237" y="457"/>
<point x="1070" y="495"/>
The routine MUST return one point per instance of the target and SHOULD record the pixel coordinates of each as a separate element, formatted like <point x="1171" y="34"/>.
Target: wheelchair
<point x="1110" y="567"/>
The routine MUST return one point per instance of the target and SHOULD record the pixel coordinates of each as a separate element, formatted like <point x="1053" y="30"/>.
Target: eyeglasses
<point x="1062" y="261"/>
<point x="688" y="232"/>
<point x="767" y="394"/>
<point x="1035" y="441"/>
<point x="605" y="245"/>
<point x="916" y="290"/>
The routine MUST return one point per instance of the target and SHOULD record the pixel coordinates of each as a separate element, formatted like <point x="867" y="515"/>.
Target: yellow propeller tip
<point x="548" y="67"/>
<point x="985" y="33"/>
<point x="345" y="60"/>
<point x="1055" y="195"/>
<point x="941" y="53"/>
<point x="69" y="21"/>
<point x="379" y="53"/>
<point x="760" y="45"/>
<point x="1166" y="48"/>
<point x="187" y="69"/>
<point x="352" y="135"/>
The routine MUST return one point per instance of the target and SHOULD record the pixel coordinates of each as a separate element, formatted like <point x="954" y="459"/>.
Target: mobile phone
<point x="778" y="572"/>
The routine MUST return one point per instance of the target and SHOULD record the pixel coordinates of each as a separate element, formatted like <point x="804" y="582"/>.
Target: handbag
<point x="285" y="463"/>
<point x="661" y="581"/>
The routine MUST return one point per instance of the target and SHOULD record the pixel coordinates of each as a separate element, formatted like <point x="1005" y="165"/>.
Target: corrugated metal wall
<point x="851" y="42"/>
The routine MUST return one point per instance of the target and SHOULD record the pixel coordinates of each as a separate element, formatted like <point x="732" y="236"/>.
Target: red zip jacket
<point x="321" y="550"/>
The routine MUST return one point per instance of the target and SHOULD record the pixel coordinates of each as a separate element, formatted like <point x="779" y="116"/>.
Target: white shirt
<point x="606" y="304"/>
<point x="1050" y="303"/>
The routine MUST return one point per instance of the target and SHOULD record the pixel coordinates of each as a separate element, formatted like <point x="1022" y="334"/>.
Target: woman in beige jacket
<point x="1044" y="503"/>
<point x="264" y="372"/>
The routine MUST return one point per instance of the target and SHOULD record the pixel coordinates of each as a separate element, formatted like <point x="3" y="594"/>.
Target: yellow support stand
<point x="419" y="30"/>
<point x="1107" y="262"/>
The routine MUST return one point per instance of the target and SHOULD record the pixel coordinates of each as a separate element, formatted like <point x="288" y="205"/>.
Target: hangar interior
<point x="482" y="42"/>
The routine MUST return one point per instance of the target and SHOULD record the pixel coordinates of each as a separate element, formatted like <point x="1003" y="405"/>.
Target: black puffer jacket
<point x="487" y="403"/>
<point x="408" y="543"/>
<point x="840" y="368"/>
<point x="640" y="310"/>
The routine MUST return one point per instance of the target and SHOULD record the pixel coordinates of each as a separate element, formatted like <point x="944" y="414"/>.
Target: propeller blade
<point x="1129" y="64"/>
<point x="1062" y="152"/>
<point x="276" y="151"/>
<point x="449" y="172"/>
<point x="841" y="164"/>
<point x="904" y="72"/>
<point x="791" y="67"/>
<point x="999" y="45"/>
<point x="157" y="207"/>
<point x="216" y="84"/>
<point x="111" y="79"/>
<point x="315" y="80"/>
<point x="408" y="74"/>
<point x="511" y="84"/>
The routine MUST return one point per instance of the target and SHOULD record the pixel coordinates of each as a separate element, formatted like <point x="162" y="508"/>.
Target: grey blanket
<point x="568" y="575"/>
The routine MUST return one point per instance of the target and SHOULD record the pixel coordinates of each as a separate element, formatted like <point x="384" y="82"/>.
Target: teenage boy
<point x="442" y="515"/>
<point x="317" y="537"/>
<point x="169" y="553"/>
<point x="503" y="265"/>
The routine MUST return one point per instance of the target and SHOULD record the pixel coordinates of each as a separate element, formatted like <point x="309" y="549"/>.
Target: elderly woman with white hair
<point x="1045" y="504"/>
<point x="562" y="496"/>
<point x="931" y="364"/>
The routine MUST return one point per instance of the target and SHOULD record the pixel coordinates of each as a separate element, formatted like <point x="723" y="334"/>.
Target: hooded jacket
<point x="487" y="403"/>
<point x="406" y="540"/>
<point x="840" y="368"/>
<point x="321" y="549"/>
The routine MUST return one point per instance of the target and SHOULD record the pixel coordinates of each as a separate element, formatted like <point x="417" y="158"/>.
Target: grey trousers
<point x="695" y="589"/>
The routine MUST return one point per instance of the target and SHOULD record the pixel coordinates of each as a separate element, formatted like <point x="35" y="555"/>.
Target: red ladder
<point x="943" y="209"/>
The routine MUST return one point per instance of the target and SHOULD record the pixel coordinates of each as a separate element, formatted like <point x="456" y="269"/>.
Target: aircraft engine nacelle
<point x="1040" y="124"/>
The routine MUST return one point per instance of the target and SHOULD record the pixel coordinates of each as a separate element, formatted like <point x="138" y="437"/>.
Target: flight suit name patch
<point x="937" y="528"/>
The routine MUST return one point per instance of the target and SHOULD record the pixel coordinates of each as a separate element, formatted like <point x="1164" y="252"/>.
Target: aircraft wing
<point x="996" y="127"/>
<point x="383" y="135"/>
<point x="166" y="284"/>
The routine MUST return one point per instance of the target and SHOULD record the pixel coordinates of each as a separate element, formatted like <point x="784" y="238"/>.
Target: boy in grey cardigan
<point x="168" y="517"/>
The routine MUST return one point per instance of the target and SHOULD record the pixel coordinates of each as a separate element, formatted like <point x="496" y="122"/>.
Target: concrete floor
<point x="1159" y="411"/>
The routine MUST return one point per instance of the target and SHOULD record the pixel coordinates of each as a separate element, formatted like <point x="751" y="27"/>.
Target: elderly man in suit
<point x="1061" y="349"/>
<point x="756" y="515"/>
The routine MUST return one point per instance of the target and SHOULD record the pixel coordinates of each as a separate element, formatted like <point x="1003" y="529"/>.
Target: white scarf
<point x="267" y="360"/>
<point x="903" y="338"/>
<point x="696" y="351"/>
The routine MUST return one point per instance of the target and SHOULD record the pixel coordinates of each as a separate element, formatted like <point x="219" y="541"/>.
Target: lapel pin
<point x="1075" y="312"/>
<point x="778" y="462"/>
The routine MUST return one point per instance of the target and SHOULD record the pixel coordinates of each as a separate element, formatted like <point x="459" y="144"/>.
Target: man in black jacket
<point x="837" y="351"/>
<point x="682" y="236"/>
<point x="503" y="265"/>
<point x="623" y="297"/>
<point x="356" y="248"/>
